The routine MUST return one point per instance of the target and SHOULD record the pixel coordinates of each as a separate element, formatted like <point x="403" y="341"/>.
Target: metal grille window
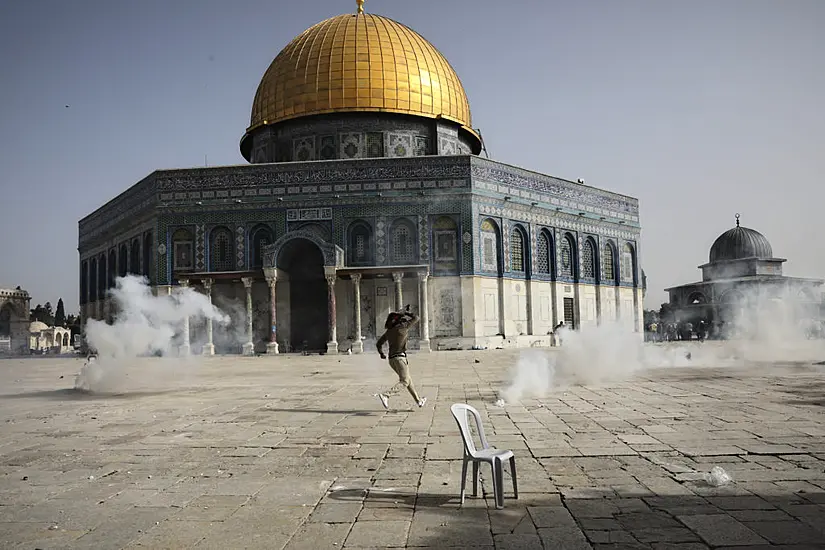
<point x="607" y="260"/>
<point x="360" y="247"/>
<point x="627" y="263"/>
<point x="567" y="257"/>
<point x="259" y="242"/>
<point x="589" y="260"/>
<point x="221" y="252"/>
<point x="375" y="144"/>
<point x="517" y="251"/>
<point x="543" y="254"/>
<point x="489" y="238"/>
<point x="402" y="244"/>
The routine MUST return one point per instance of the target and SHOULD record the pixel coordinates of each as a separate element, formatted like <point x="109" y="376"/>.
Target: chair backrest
<point x="460" y="413"/>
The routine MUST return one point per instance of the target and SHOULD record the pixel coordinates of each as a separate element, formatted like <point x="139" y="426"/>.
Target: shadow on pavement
<point x="718" y="518"/>
<point x="321" y="411"/>
<point x="71" y="394"/>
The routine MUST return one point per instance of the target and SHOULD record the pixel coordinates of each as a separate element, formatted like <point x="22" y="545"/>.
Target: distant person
<point x="398" y="325"/>
<point x="557" y="330"/>
<point x="701" y="330"/>
<point x="654" y="332"/>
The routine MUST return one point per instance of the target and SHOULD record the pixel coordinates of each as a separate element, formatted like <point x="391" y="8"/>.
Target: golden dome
<point x="359" y="62"/>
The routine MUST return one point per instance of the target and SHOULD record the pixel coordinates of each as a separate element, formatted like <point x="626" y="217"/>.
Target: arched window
<point x="445" y="242"/>
<point x="123" y="261"/>
<point x="545" y="254"/>
<point x="402" y="243"/>
<point x="65" y="339"/>
<point x="568" y="257"/>
<point x="628" y="264"/>
<point x="84" y="282"/>
<point x="517" y="240"/>
<point x="609" y="262"/>
<point x="134" y="257"/>
<point x="696" y="298"/>
<point x="360" y="243"/>
<point x="102" y="277"/>
<point x="182" y="245"/>
<point x="93" y="280"/>
<point x="221" y="257"/>
<point x="5" y="320"/>
<point x="589" y="259"/>
<point x="490" y="246"/>
<point x="112" y="269"/>
<point x="261" y="237"/>
<point x="147" y="254"/>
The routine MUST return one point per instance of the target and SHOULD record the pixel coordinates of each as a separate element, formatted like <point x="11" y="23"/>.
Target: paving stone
<point x="518" y="542"/>
<point x="786" y="532"/>
<point x="721" y="530"/>
<point x="214" y="462"/>
<point x="569" y="538"/>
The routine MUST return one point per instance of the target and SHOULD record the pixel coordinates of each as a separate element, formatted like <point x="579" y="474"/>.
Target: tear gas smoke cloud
<point x="143" y="325"/>
<point x="761" y="327"/>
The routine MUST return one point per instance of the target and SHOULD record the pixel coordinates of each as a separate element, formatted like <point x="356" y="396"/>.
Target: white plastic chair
<point x="487" y="453"/>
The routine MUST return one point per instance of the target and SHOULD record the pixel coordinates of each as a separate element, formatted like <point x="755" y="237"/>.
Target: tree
<point x="42" y="314"/>
<point x="60" y="314"/>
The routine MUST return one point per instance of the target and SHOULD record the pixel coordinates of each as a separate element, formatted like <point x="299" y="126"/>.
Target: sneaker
<point x="422" y="402"/>
<point x="384" y="400"/>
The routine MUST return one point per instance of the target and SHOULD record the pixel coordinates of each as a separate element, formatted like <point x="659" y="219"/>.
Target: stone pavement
<point x="294" y="452"/>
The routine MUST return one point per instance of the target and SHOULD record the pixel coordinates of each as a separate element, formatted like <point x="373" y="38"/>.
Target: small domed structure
<point x="742" y="274"/>
<point x="740" y="243"/>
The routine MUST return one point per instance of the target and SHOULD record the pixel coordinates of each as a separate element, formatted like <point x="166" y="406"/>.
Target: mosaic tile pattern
<point x="200" y="249"/>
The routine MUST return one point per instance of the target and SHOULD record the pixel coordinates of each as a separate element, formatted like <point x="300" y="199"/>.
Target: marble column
<point x="332" y="344"/>
<point x="185" y="347"/>
<point x="358" y="345"/>
<point x="424" y="308"/>
<point x="397" y="277"/>
<point x="271" y="275"/>
<point x="209" y="346"/>
<point x="249" y="346"/>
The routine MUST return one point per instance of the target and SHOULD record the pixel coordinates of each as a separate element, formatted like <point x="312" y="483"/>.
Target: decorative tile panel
<point x="423" y="239"/>
<point x="381" y="240"/>
<point x="307" y="214"/>
<point x="200" y="253"/>
<point x="239" y="243"/>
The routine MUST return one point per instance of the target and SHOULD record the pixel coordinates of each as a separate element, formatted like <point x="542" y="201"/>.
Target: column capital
<point x="207" y="284"/>
<point x="271" y="274"/>
<point x="183" y="282"/>
<point x="356" y="277"/>
<point x="397" y="276"/>
<point x="423" y="276"/>
<point x="247" y="282"/>
<point x="331" y="278"/>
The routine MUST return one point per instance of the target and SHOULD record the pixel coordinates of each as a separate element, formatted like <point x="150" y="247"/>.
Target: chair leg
<point x="463" y="479"/>
<point x="475" y="478"/>
<point x="513" y="474"/>
<point x="498" y="485"/>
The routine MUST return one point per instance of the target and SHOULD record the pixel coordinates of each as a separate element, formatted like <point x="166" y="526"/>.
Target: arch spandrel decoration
<point x="333" y="254"/>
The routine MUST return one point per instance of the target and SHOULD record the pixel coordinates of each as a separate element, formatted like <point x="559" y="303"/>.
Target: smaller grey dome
<point x="740" y="243"/>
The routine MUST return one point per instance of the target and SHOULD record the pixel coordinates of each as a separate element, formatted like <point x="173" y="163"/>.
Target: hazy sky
<point x="700" y="109"/>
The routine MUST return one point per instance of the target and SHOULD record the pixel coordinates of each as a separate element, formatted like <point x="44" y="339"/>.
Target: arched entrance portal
<point x="303" y="263"/>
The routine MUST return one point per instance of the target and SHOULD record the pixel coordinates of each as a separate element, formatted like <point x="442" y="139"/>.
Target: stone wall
<point x="14" y="321"/>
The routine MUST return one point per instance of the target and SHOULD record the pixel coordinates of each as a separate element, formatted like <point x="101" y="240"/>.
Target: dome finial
<point x="737" y="219"/>
<point x="360" y="5"/>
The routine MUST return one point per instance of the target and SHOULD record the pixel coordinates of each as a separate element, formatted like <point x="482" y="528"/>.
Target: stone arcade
<point x="365" y="192"/>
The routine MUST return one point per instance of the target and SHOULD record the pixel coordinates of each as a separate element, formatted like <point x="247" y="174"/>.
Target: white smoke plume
<point x="144" y="325"/>
<point x="761" y="328"/>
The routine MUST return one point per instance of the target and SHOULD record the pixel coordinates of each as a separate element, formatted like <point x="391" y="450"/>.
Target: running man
<point x="398" y="325"/>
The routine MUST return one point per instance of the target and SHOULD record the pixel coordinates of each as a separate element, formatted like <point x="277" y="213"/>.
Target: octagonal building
<point x="365" y="191"/>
